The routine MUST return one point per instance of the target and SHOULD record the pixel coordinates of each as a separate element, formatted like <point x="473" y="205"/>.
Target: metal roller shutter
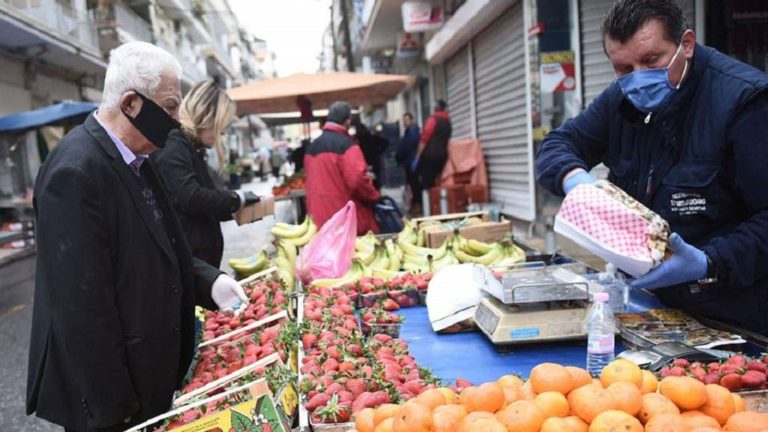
<point x="597" y="73"/>
<point x="502" y="112"/>
<point x="458" y="94"/>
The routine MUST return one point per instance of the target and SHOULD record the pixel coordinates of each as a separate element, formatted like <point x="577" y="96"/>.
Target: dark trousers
<point x="412" y="178"/>
<point x="430" y="170"/>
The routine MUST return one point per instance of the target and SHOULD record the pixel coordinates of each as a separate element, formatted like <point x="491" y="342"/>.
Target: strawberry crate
<point x="408" y="297"/>
<point x="392" y="329"/>
<point x="331" y="427"/>
<point x="370" y="299"/>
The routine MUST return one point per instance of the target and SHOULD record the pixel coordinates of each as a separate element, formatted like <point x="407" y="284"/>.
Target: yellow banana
<point x="244" y="261"/>
<point x="283" y="230"/>
<point x="407" y="235"/>
<point x="366" y="257"/>
<point x="486" y="259"/>
<point x="420" y="241"/>
<point x="304" y="239"/>
<point x="395" y="260"/>
<point x="385" y="275"/>
<point x="448" y="259"/>
<point x="287" y="277"/>
<point x="258" y="264"/>
<point x="477" y="248"/>
<point x="382" y="260"/>
<point x="282" y="263"/>
<point x="288" y="249"/>
<point x="418" y="260"/>
<point x="353" y="275"/>
<point x="415" y="268"/>
<point x="437" y="253"/>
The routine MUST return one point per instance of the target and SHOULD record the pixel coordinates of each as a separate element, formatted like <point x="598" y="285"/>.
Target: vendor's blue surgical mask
<point x="649" y="89"/>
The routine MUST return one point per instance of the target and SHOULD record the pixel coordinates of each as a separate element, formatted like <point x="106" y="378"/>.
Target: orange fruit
<point x="655" y="404"/>
<point x="431" y="398"/>
<point x="413" y="417"/>
<point x="738" y="402"/>
<point x="627" y="396"/>
<point x="449" y="395"/>
<point x="667" y="423"/>
<point x="552" y="404"/>
<point x="385" y="426"/>
<point x="704" y="429"/>
<point x="364" y="420"/>
<point x="510" y="395"/>
<point x="551" y="377"/>
<point x="621" y="370"/>
<point x="719" y="404"/>
<point x="384" y="412"/>
<point x="580" y="376"/>
<point x="698" y="419"/>
<point x="686" y="392"/>
<point x="526" y="392"/>
<point x="614" y="421"/>
<point x="650" y="382"/>
<point x="486" y="425"/>
<point x="512" y="381"/>
<point x="473" y="417"/>
<point x="564" y="424"/>
<point x="590" y="400"/>
<point x="448" y="418"/>
<point x="485" y="397"/>
<point x="747" y="421"/>
<point x="521" y="416"/>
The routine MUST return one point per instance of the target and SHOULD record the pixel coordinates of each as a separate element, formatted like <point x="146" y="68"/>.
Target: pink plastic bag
<point x="329" y="253"/>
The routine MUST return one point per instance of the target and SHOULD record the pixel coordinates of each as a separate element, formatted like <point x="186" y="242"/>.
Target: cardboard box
<point x="256" y="211"/>
<point x="486" y="231"/>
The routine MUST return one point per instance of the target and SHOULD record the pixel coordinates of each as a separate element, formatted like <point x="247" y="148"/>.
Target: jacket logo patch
<point x="687" y="203"/>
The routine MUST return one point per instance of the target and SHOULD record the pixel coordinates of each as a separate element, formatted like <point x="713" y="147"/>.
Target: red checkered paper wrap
<point x="607" y="221"/>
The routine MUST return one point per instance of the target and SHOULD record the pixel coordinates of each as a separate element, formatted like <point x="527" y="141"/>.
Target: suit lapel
<point x="129" y="181"/>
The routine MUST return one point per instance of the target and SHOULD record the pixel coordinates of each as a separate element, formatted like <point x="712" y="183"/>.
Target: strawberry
<point x="356" y="386"/>
<point x="308" y="340"/>
<point x="731" y="381"/>
<point x="346" y="367"/>
<point x="712" y="378"/>
<point x="334" y="388"/>
<point x="330" y="365"/>
<point x="683" y="363"/>
<point x="346" y="397"/>
<point x="334" y="411"/>
<point x="462" y="383"/>
<point x="677" y="371"/>
<point x="413" y="386"/>
<point x="752" y="379"/>
<point x="382" y="338"/>
<point x="729" y="368"/>
<point x="390" y="305"/>
<point x="757" y="365"/>
<point x="665" y="371"/>
<point x="699" y="373"/>
<point x="738" y="360"/>
<point x="321" y="399"/>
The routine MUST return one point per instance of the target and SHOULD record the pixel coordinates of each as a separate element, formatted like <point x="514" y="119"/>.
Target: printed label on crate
<point x="256" y="415"/>
<point x="288" y="402"/>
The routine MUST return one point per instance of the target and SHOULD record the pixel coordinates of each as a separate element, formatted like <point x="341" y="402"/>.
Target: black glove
<point x="251" y="197"/>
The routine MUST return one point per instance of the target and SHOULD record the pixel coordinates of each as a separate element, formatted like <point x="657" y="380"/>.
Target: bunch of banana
<point x="409" y="234"/>
<point x="488" y="254"/>
<point x="366" y="248"/>
<point x="286" y="260"/>
<point x="299" y="235"/>
<point x="247" y="266"/>
<point x="448" y="259"/>
<point x="416" y="259"/>
<point x="395" y="255"/>
<point x="354" y="274"/>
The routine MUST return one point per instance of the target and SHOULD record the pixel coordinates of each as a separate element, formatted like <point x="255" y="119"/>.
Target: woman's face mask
<point x="649" y="90"/>
<point x="153" y="122"/>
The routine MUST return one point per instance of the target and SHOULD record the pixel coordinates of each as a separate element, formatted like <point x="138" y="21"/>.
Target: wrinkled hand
<point x="414" y="164"/>
<point x="580" y="177"/>
<point x="686" y="264"/>
<point x="227" y="293"/>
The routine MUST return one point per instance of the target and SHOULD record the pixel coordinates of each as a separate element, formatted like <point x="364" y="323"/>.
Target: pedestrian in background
<point x="433" y="147"/>
<point x="405" y="155"/>
<point x="337" y="173"/>
<point x="372" y="147"/>
<point x="205" y="114"/>
<point x="116" y="284"/>
<point x="276" y="161"/>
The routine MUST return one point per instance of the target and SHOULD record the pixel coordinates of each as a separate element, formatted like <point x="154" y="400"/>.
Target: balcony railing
<point x="61" y="17"/>
<point x="128" y="20"/>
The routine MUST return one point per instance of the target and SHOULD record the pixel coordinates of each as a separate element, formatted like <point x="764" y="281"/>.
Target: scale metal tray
<point x="538" y="283"/>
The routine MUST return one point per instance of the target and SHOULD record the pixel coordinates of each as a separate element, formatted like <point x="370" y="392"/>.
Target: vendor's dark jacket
<point x="700" y="163"/>
<point x="200" y="205"/>
<point x="115" y="289"/>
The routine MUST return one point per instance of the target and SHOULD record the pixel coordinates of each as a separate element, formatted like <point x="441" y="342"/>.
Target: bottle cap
<point x="601" y="297"/>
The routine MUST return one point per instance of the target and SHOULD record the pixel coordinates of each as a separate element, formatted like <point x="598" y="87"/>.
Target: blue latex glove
<point x="414" y="164"/>
<point x="581" y="177"/>
<point x="686" y="264"/>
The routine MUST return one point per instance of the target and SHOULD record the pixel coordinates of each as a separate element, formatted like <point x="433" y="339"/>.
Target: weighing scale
<point x="536" y="303"/>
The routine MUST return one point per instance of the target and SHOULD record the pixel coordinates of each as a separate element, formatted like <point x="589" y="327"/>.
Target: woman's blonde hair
<point x="207" y="106"/>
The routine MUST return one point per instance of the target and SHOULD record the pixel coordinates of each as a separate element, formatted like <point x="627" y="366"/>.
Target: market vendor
<point x="337" y="173"/>
<point x="684" y="130"/>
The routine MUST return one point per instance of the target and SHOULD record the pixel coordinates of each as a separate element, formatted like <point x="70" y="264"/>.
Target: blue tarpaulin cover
<point x="44" y="116"/>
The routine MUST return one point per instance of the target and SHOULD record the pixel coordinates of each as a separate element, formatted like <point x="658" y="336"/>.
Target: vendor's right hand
<point x="575" y="178"/>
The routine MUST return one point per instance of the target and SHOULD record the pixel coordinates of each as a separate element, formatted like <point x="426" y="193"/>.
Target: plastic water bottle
<point x="616" y="287"/>
<point x="600" y="334"/>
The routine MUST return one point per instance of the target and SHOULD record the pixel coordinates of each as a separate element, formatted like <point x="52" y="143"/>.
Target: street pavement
<point x="16" y="297"/>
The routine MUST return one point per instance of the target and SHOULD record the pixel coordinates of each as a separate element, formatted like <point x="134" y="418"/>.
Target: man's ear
<point x="689" y="43"/>
<point x="130" y="103"/>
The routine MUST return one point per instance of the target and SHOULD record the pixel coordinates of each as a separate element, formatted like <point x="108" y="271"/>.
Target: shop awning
<point x="279" y="95"/>
<point x="44" y="116"/>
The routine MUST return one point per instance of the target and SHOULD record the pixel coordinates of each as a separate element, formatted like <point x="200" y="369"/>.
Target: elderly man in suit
<point x="116" y="283"/>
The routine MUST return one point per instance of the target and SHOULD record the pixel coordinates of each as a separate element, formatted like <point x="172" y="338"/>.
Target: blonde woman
<point x="206" y="111"/>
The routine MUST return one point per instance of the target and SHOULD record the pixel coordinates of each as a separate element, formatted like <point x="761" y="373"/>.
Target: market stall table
<point x="473" y="357"/>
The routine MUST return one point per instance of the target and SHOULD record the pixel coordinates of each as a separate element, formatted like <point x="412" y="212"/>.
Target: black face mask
<point x="153" y="122"/>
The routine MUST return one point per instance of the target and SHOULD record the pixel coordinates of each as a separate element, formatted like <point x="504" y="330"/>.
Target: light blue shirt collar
<point x="125" y="152"/>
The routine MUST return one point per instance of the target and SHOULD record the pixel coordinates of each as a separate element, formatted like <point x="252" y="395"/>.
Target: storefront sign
<point x="408" y="45"/>
<point x="557" y="73"/>
<point x="421" y="16"/>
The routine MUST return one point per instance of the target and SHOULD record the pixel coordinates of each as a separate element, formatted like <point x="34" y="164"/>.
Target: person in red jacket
<point x="337" y="172"/>
<point x="433" y="147"/>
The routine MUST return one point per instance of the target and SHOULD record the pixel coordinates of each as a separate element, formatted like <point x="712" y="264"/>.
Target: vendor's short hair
<point x="626" y="17"/>
<point x="137" y="66"/>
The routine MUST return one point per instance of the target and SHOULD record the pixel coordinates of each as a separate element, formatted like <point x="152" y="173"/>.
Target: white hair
<point x="137" y="66"/>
